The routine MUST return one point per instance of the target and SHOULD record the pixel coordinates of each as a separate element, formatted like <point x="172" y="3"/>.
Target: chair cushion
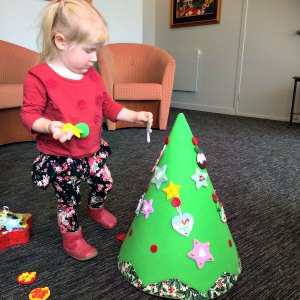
<point x="11" y="95"/>
<point x="138" y="91"/>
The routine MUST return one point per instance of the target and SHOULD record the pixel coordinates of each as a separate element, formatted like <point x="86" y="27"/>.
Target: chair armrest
<point x="167" y="89"/>
<point x="15" y="61"/>
<point x="162" y="60"/>
<point x="166" y="70"/>
<point x="11" y="95"/>
<point x="105" y="68"/>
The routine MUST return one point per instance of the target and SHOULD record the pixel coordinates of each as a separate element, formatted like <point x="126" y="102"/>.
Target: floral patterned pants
<point x="66" y="175"/>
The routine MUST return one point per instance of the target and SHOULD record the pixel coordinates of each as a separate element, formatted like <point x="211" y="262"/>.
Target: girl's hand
<point x="43" y="125"/>
<point x="144" y="117"/>
<point x="129" y="115"/>
<point x="55" y="128"/>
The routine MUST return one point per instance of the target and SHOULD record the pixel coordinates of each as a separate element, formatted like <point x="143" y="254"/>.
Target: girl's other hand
<point x="144" y="117"/>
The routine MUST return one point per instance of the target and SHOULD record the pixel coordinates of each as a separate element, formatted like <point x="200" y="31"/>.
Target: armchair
<point x="15" y="61"/>
<point x="140" y="77"/>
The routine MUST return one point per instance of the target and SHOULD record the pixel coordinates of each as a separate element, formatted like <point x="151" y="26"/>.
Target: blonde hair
<point x="76" y="20"/>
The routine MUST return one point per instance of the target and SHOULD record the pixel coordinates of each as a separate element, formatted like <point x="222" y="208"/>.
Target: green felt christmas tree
<point x="179" y="244"/>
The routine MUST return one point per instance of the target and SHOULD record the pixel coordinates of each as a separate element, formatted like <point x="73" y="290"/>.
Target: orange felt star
<point x="172" y="190"/>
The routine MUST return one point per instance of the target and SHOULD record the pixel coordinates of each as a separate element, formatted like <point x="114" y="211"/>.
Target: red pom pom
<point x="153" y="248"/>
<point x="167" y="140"/>
<point x="176" y="202"/>
<point x="215" y="197"/>
<point x="195" y="141"/>
<point x="121" y="237"/>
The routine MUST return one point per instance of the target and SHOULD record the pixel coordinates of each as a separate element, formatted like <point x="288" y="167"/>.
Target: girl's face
<point x="78" y="58"/>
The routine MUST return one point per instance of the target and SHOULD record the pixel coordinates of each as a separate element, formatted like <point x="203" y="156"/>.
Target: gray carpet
<point x="255" y="167"/>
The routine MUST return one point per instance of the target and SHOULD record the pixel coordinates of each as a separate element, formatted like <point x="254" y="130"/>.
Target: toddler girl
<point x="66" y="88"/>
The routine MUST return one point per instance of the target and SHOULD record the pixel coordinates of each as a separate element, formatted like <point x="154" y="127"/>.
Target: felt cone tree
<point x="179" y="244"/>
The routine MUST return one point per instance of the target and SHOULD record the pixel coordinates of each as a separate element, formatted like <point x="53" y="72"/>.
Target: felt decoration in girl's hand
<point x="80" y="130"/>
<point x="149" y="130"/>
<point x="84" y="128"/>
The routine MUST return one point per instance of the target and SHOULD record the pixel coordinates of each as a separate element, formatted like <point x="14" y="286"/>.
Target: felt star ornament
<point x="172" y="190"/>
<point x="11" y="223"/>
<point x="201" y="253"/>
<point x="200" y="179"/>
<point x="147" y="208"/>
<point x="159" y="176"/>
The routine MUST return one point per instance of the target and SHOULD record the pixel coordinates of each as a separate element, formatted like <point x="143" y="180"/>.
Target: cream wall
<point x="125" y="19"/>
<point x="149" y="22"/>
<point x="247" y="61"/>
<point x="19" y="20"/>
<point x="219" y="46"/>
<point x="245" y="74"/>
<point x="271" y="59"/>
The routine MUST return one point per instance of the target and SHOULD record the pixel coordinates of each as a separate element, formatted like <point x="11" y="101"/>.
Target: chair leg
<point x="163" y="117"/>
<point x="293" y="103"/>
<point x="110" y="125"/>
<point x="12" y="129"/>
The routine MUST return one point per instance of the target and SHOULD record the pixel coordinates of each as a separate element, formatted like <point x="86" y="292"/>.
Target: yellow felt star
<point x="172" y="190"/>
<point x="75" y="130"/>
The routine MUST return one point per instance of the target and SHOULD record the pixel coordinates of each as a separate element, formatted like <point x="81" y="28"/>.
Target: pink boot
<point x="75" y="246"/>
<point x="102" y="216"/>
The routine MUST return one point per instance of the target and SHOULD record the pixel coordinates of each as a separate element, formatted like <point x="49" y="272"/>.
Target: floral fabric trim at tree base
<point x="174" y="288"/>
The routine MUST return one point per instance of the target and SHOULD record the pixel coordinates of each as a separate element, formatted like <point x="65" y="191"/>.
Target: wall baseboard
<point x="266" y="117"/>
<point x="227" y="111"/>
<point x="206" y="108"/>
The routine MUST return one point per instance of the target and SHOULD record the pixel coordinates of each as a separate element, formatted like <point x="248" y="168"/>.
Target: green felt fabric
<point x="85" y="129"/>
<point x="170" y="261"/>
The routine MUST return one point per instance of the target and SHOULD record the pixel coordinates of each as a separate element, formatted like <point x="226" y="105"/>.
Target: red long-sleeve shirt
<point x="51" y="96"/>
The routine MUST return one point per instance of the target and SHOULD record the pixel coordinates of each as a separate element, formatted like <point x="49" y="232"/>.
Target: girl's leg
<point x="68" y="198"/>
<point x="100" y="185"/>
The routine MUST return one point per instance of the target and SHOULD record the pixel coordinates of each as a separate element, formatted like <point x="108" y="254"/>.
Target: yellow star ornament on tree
<point x="172" y="190"/>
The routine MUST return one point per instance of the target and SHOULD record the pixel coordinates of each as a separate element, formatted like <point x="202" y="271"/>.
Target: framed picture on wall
<point x="195" y="12"/>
